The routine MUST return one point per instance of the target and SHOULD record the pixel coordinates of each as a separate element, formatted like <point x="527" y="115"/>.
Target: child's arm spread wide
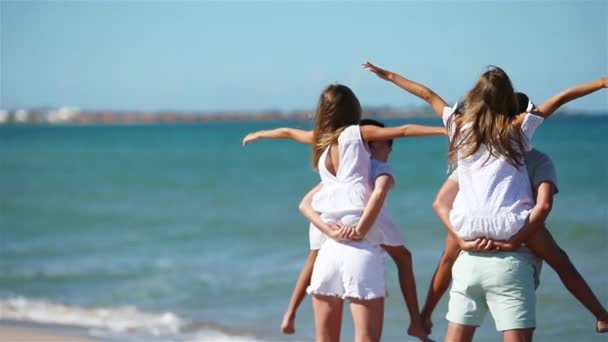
<point x="382" y="186"/>
<point x="414" y="88"/>
<point x="299" y="135"/>
<point x="552" y="104"/>
<point x="374" y="133"/>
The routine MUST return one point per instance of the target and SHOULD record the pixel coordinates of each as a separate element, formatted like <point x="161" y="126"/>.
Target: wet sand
<point x="12" y="333"/>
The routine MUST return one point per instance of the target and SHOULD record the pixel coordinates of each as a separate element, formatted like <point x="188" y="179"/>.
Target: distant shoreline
<point x="76" y="117"/>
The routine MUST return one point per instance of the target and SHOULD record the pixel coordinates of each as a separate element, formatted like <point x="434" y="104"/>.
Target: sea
<point x="176" y="232"/>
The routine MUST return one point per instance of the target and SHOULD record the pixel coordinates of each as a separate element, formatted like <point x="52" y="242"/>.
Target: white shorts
<point x="349" y="270"/>
<point x="391" y="235"/>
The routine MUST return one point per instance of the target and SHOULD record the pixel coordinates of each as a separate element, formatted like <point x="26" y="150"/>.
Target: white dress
<point x="495" y="198"/>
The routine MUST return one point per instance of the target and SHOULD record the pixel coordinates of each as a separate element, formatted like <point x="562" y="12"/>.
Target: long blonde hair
<point x="490" y="108"/>
<point x="338" y="108"/>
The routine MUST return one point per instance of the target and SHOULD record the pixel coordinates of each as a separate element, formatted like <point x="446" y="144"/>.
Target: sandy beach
<point x="13" y="333"/>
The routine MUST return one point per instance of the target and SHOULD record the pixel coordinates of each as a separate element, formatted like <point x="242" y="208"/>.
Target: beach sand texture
<point x="18" y="334"/>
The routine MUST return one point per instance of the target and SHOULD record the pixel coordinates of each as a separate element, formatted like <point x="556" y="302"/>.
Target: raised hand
<point x="383" y="74"/>
<point x="251" y="137"/>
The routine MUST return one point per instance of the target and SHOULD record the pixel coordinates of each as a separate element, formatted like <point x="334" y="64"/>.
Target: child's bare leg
<point x="459" y="333"/>
<point x="403" y="259"/>
<point x="299" y="292"/>
<point x="440" y="282"/>
<point x="544" y="246"/>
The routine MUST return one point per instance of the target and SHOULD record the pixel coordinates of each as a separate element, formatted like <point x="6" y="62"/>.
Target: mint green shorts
<point x="501" y="282"/>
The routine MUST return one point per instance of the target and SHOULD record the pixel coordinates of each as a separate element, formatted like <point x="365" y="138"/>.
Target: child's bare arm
<point x="552" y="104"/>
<point x="443" y="205"/>
<point x="414" y="88"/>
<point x="536" y="220"/>
<point x="382" y="186"/>
<point x="375" y="133"/>
<point x="299" y="135"/>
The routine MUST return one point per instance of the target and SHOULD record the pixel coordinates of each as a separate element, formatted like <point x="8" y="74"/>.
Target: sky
<point x="256" y="56"/>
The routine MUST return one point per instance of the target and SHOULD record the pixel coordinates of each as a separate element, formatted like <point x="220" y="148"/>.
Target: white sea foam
<point x="113" y="321"/>
<point x="116" y="319"/>
<point x="216" y="336"/>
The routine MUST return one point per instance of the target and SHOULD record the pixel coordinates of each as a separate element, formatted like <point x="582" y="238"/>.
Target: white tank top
<point x="495" y="198"/>
<point x="344" y="196"/>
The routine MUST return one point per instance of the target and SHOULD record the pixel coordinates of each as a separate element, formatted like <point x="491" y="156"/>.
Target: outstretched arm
<point x="552" y="104"/>
<point x="375" y="133"/>
<point x="411" y="87"/>
<point x="334" y="232"/>
<point x="299" y="135"/>
<point x="382" y="185"/>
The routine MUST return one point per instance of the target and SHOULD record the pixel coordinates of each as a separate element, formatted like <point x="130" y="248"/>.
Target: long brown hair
<point x="490" y="108"/>
<point x="338" y="108"/>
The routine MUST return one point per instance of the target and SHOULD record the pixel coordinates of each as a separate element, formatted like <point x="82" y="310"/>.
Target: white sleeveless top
<point x="495" y="198"/>
<point x="344" y="196"/>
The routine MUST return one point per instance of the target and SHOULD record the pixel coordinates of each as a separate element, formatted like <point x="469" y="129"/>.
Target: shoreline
<point x="33" y="332"/>
<point x="83" y="118"/>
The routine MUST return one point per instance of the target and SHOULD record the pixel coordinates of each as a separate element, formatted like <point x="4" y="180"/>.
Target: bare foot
<point x="602" y="326"/>
<point x="417" y="330"/>
<point x="288" y="325"/>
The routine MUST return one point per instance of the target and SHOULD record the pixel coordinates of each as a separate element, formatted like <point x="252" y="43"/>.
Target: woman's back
<point x="345" y="194"/>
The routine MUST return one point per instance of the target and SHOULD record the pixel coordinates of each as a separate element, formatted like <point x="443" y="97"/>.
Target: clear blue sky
<point x="206" y="56"/>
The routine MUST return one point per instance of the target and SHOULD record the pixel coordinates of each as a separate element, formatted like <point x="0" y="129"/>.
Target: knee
<point x="403" y="257"/>
<point x="406" y="254"/>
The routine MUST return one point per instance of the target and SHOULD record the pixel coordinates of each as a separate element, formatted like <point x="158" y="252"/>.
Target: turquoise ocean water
<point x="178" y="233"/>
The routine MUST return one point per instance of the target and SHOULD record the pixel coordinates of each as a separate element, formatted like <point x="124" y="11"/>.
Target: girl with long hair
<point x="350" y="264"/>
<point x="494" y="210"/>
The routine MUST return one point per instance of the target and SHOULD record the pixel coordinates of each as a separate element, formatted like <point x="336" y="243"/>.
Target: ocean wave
<point x="117" y="320"/>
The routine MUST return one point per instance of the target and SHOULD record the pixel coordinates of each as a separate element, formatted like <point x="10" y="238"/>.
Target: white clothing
<point x="352" y="269"/>
<point x="344" y="196"/>
<point x="495" y="198"/>
<point x="391" y="235"/>
<point x="316" y="238"/>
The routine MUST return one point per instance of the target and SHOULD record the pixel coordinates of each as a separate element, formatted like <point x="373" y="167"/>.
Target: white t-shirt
<point x="391" y="235"/>
<point x="495" y="198"/>
<point x="344" y="196"/>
